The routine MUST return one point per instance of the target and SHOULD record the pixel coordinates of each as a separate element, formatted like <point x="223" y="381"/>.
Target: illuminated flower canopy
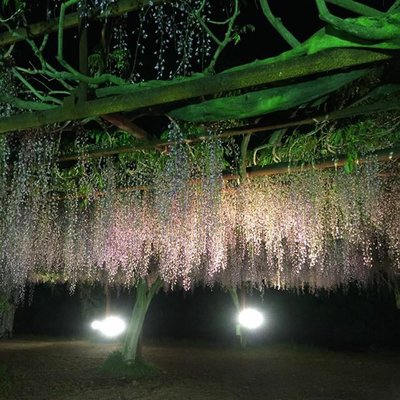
<point x="318" y="228"/>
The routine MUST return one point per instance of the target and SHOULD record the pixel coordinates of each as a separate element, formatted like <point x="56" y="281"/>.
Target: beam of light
<point x="110" y="326"/>
<point x="250" y="318"/>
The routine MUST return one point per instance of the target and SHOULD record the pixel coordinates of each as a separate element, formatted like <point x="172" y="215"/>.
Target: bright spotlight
<point x="96" y="325"/>
<point x="250" y="318"/>
<point x="110" y="326"/>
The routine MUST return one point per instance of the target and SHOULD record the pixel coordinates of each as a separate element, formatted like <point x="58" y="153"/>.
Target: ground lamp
<point x="250" y="318"/>
<point x="110" y="326"/>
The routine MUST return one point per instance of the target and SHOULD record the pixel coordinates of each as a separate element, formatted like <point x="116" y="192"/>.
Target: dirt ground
<point x="68" y="370"/>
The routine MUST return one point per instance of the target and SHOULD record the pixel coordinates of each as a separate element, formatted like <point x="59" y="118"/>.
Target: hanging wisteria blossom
<point x="320" y="228"/>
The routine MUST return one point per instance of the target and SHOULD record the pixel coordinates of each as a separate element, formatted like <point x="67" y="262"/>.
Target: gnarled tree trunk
<point x="131" y="350"/>
<point x="7" y="311"/>
<point x="240" y="304"/>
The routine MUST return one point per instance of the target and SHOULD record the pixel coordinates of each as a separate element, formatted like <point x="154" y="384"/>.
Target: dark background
<point x="351" y="319"/>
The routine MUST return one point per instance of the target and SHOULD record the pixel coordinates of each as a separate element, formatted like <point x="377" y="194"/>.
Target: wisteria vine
<point x="188" y="227"/>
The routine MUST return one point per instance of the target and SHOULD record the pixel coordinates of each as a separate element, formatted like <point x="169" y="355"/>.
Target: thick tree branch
<point x="387" y="31"/>
<point x="278" y="25"/>
<point x="142" y="96"/>
<point x="395" y="7"/>
<point x="357" y="7"/>
<point x="25" y="104"/>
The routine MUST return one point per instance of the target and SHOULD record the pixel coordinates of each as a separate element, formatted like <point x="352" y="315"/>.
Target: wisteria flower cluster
<point x="321" y="228"/>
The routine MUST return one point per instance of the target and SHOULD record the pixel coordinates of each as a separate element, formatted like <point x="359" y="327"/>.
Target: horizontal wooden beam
<point x="244" y="130"/>
<point x="71" y="21"/>
<point x="392" y="154"/>
<point x="162" y="93"/>
<point x="384" y="155"/>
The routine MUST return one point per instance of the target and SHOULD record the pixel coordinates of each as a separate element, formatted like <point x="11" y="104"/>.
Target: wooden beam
<point x="124" y="124"/>
<point x="162" y="93"/>
<point x="71" y="21"/>
<point x="392" y="154"/>
<point x="244" y="130"/>
<point x="384" y="155"/>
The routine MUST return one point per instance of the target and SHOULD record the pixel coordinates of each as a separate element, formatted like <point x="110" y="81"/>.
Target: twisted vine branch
<point x="372" y="32"/>
<point x="356" y="7"/>
<point x="278" y="25"/>
<point x="78" y="76"/>
<point x="221" y="44"/>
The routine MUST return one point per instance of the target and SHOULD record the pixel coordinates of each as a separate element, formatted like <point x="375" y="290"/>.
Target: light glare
<point x="250" y="318"/>
<point x="110" y="326"/>
<point x="96" y="325"/>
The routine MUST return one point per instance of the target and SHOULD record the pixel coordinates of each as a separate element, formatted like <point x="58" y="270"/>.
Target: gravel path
<point x="68" y="370"/>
